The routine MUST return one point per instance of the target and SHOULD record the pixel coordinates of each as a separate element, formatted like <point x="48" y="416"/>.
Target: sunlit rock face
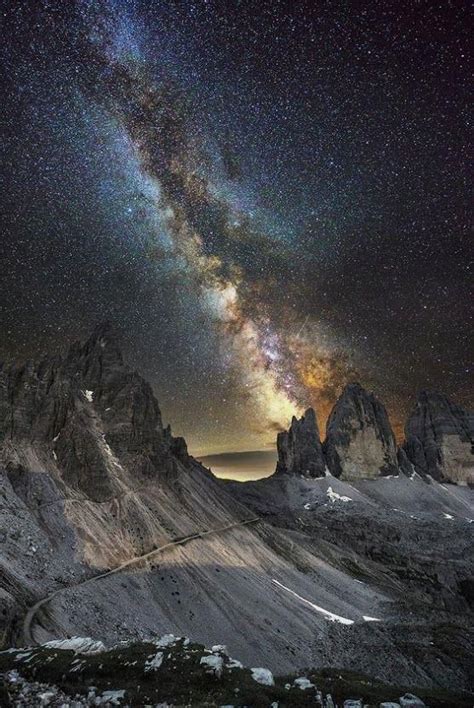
<point x="440" y="439"/>
<point x="359" y="439"/>
<point x="299" y="448"/>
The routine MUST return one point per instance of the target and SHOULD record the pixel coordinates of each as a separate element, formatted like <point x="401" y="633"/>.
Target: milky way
<point x="267" y="200"/>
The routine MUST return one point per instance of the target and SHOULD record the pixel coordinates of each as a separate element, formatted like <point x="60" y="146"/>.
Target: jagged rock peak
<point x="89" y="417"/>
<point x="440" y="439"/>
<point x="98" y="353"/>
<point x="299" y="448"/>
<point x="359" y="438"/>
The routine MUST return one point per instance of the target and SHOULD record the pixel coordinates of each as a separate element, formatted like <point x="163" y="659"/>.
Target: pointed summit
<point x="99" y="355"/>
<point x="299" y="448"/>
<point x="440" y="439"/>
<point x="359" y="439"/>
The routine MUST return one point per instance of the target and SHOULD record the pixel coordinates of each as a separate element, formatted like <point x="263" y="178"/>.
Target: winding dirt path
<point x="27" y="630"/>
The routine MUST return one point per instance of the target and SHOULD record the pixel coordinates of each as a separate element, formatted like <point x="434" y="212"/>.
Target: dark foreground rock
<point x="176" y="672"/>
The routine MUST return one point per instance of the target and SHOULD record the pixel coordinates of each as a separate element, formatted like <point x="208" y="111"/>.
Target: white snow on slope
<point x="371" y="619"/>
<point x="81" y="645"/>
<point x="330" y="615"/>
<point x="334" y="496"/>
<point x="447" y="516"/>
<point x="89" y="395"/>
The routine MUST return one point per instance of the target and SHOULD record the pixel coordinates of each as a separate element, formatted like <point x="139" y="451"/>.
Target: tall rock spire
<point x="299" y="448"/>
<point x="359" y="439"/>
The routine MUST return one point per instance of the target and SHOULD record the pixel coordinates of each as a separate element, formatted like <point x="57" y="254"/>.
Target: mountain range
<point x="355" y="555"/>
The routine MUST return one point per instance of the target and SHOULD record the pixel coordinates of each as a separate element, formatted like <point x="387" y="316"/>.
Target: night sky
<point x="266" y="199"/>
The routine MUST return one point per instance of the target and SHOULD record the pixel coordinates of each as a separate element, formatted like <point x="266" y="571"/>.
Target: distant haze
<point x="253" y="464"/>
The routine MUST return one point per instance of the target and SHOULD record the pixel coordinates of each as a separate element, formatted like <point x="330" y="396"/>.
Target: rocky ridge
<point x="360" y="443"/>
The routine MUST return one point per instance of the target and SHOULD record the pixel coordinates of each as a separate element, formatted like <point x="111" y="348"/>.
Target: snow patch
<point x="330" y="615"/>
<point x="447" y="516"/>
<point x="109" y="452"/>
<point x="81" y="645"/>
<point x="367" y="618"/>
<point x="263" y="676"/>
<point x="89" y="395"/>
<point x="334" y="496"/>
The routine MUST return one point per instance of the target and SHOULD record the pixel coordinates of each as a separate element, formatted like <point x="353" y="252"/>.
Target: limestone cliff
<point x="359" y="439"/>
<point x="440" y="439"/>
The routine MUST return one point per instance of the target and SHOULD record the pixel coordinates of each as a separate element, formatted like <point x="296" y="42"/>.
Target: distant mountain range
<point x="250" y="464"/>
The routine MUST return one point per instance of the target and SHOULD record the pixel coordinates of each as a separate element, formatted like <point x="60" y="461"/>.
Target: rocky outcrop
<point x="359" y="439"/>
<point x="89" y="414"/>
<point x="299" y="448"/>
<point x="405" y="466"/>
<point x="440" y="439"/>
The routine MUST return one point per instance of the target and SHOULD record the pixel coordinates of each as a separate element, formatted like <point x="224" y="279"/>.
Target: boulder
<point x="411" y="701"/>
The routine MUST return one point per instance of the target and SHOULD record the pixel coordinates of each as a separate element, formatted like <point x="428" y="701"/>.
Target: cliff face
<point x="299" y="448"/>
<point x="89" y="413"/>
<point x="440" y="439"/>
<point x="359" y="439"/>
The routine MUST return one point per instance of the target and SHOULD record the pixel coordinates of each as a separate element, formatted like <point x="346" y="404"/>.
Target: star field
<point x="267" y="200"/>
